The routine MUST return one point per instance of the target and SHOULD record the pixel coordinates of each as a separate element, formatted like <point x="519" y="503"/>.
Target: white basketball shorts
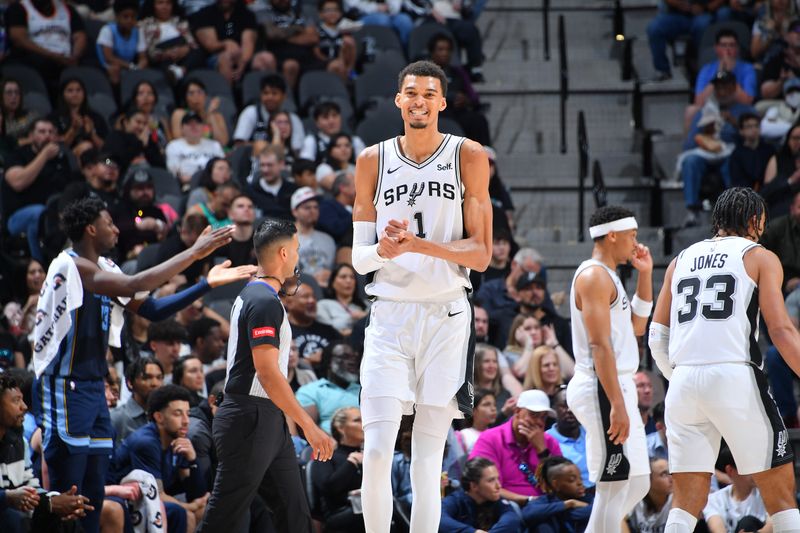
<point x="725" y="400"/>
<point x="605" y="460"/>
<point x="419" y="353"/>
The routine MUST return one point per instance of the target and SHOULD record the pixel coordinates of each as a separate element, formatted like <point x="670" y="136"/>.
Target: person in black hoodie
<point x="333" y="480"/>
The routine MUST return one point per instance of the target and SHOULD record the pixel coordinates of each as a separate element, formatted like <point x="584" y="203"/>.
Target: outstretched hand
<point x="223" y="273"/>
<point x="209" y="240"/>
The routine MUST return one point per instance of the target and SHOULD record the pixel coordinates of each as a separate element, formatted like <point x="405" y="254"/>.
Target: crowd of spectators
<point x="179" y="154"/>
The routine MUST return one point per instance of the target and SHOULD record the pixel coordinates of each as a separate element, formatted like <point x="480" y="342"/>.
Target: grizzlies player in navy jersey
<point x="77" y="431"/>
<point x="422" y="220"/>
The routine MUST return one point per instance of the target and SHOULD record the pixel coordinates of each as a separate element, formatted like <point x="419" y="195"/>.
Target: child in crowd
<point x="119" y="44"/>
<point x="565" y="505"/>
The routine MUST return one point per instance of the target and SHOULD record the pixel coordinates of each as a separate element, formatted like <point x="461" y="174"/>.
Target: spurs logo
<point x="417" y="190"/>
<point x="613" y="463"/>
<point x="783" y="439"/>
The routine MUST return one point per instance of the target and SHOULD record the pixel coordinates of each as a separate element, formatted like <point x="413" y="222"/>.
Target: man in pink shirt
<point x="517" y="446"/>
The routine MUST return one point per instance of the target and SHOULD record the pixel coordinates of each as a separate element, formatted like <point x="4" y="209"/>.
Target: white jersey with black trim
<point x="623" y="339"/>
<point x="430" y="196"/>
<point x="714" y="314"/>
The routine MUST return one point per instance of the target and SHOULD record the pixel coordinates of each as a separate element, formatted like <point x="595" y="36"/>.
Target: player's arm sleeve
<point x="365" y="248"/>
<point x="264" y="319"/>
<point x="658" y="341"/>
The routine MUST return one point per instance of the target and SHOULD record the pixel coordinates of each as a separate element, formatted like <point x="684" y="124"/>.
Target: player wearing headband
<point x="704" y="338"/>
<point x="602" y="394"/>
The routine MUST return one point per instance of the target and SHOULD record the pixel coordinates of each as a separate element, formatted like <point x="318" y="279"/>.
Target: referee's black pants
<point x="254" y="446"/>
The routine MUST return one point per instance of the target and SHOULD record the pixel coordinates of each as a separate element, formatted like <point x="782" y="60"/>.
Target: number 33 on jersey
<point x="715" y="311"/>
<point x="429" y="195"/>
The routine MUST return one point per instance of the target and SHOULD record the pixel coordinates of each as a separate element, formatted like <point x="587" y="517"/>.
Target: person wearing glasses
<point x="518" y="446"/>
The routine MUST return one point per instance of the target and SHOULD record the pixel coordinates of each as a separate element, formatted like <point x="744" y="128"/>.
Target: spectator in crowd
<point x="195" y="100"/>
<point x="535" y="301"/>
<point x="782" y="66"/>
<point x="183" y="238"/>
<point x="191" y="313"/>
<point x="162" y="449"/>
<point x="317" y="249"/>
<point x="657" y="446"/>
<point x="188" y="373"/>
<point x="79" y="127"/>
<point x="169" y="43"/>
<point x="295" y="375"/>
<point x="280" y="134"/>
<point x="500" y="263"/>
<point x="518" y="446"/>
<point x="782" y="237"/>
<point x="32" y="174"/>
<point x="137" y="216"/>
<point x="543" y="372"/>
<point x="769" y="29"/>
<point x="387" y="14"/>
<point x="142" y="377"/>
<point x="570" y="435"/>
<point x="336" y="478"/>
<point x="219" y="203"/>
<point x="227" y="31"/>
<point x="47" y="35"/>
<point x="191" y="151"/>
<point x="726" y="46"/>
<point x="304" y="175"/>
<point x="526" y="335"/>
<point x="100" y="173"/>
<point x="782" y="177"/>
<point x="207" y="342"/>
<point x="335" y="48"/>
<point x="650" y="514"/>
<point x="339" y="158"/>
<point x="702" y="157"/>
<point x="481" y="322"/>
<point x="20" y="491"/>
<point x="484" y="415"/>
<point x="253" y="123"/>
<point x="502" y="204"/>
<point x="644" y="394"/>
<point x="676" y="18"/>
<point x="738" y="506"/>
<point x="489" y="375"/>
<point x="216" y="172"/>
<point x="500" y="297"/>
<point x="749" y="159"/>
<point x="120" y="44"/>
<point x="342" y="306"/>
<point x="271" y="193"/>
<point x="336" y="214"/>
<point x="463" y="103"/>
<point x="165" y="339"/>
<point x="15" y="119"/>
<point x="477" y="505"/>
<point x="242" y="214"/>
<point x="779" y="115"/>
<point x="292" y="39"/>
<point x="201" y="419"/>
<point x="131" y="142"/>
<point x="564" y="505"/>
<point x="321" y="398"/>
<point x="29" y="284"/>
<point x="145" y="99"/>
<point x="328" y="122"/>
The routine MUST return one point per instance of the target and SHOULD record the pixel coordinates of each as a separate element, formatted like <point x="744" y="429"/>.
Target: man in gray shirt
<point x="142" y="377"/>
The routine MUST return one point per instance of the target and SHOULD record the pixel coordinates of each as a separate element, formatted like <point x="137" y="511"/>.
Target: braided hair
<point x="547" y="470"/>
<point x="734" y="211"/>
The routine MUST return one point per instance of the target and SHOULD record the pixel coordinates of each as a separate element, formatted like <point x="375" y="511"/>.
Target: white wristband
<point x="640" y="307"/>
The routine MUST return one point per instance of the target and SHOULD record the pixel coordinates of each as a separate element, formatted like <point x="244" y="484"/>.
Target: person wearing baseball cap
<point x="317" y="249"/>
<point x="518" y="445"/>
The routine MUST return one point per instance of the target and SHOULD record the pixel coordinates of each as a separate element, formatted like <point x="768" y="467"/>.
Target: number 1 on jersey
<point x="420" y="228"/>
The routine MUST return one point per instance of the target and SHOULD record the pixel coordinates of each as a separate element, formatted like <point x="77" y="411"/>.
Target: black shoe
<point x="662" y="76"/>
<point x="476" y="76"/>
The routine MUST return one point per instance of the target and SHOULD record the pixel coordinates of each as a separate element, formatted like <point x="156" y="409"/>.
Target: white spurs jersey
<point x="714" y="312"/>
<point x="429" y="195"/>
<point x="623" y="339"/>
<point x="52" y="33"/>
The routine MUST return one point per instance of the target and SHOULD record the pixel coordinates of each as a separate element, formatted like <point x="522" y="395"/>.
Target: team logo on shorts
<point x="613" y="463"/>
<point x="783" y="440"/>
<point x="412" y="198"/>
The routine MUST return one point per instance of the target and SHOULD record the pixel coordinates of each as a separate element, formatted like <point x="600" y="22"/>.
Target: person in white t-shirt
<point x="650" y="514"/>
<point x="727" y="507"/>
<point x="190" y="152"/>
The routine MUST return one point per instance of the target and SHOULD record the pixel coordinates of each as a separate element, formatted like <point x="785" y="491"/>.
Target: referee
<point x="250" y="433"/>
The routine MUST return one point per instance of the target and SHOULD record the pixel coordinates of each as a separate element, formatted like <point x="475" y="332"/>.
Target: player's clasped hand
<point x="395" y="239"/>
<point x="70" y="505"/>
<point x="23" y="499"/>
<point x="322" y="443"/>
<point x="619" y="426"/>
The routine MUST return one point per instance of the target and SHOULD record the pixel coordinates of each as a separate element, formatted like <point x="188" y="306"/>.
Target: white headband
<point x="615" y="225"/>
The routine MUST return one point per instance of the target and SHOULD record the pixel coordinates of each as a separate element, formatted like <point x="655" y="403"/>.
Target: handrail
<point x="583" y="171"/>
<point x="619" y="21"/>
<point x="546" y="28"/>
<point x="564" y="81"/>
<point x="599" y="185"/>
